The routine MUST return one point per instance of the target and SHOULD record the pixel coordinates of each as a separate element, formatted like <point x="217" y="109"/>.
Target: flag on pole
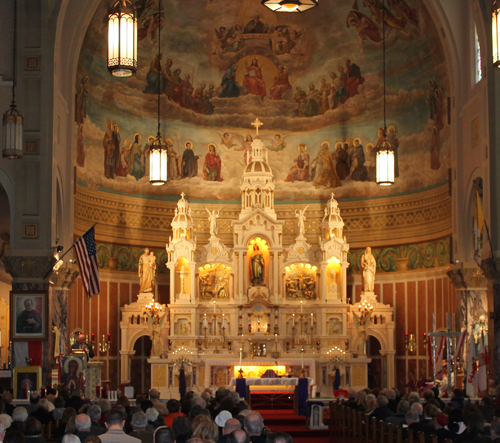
<point x="460" y="344"/>
<point x="439" y="353"/>
<point x="472" y="382"/>
<point x="482" y="372"/>
<point x="86" y="253"/>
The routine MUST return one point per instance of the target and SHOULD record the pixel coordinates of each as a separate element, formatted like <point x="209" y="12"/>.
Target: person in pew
<point x="453" y="429"/>
<point x="360" y="400"/>
<point x="139" y="423"/>
<point x="393" y="403"/>
<point x="399" y="418"/>
<point x="495" y="431"/>
<point x="382" y="410"/>
<point x="279" y="437"/>
<point x="417" y="407"/>
<point x="351" y="399"/>
<point x="474" y="423"/>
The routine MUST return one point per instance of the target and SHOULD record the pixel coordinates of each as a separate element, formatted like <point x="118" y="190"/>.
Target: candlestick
<point x="301" y="307"/>
<point x="214" y="306"/>
<point x="241" y="355"/>
<point x="302" y="355"/>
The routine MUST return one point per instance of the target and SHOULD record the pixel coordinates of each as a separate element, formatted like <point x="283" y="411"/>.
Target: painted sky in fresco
<point x="307" y="48"/>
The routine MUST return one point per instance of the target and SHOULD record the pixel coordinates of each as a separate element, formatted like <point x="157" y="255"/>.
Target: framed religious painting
<point x="26" y="379"/>
<point x="29" y="315"/>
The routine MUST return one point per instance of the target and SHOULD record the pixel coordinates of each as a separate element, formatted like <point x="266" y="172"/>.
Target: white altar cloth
<point x="294" y="381"/>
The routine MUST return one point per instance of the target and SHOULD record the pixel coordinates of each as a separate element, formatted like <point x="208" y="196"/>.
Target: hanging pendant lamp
<point x="385" y="152"/>
<point x="12" y="119"/>
<point x="158" y="160"/>
<point x="122" y="39"/>
<point x="290" y="5"/>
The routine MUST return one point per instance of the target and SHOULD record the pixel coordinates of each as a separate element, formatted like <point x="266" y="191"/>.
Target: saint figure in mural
<point x="300" y="170"/>
<point x="381" y="13"/>
<point x="187" y="92"/>
<point x="281" y="84"/>
<point x="198" y="99"/>
<point x="368" y="266"/>
<point x="354" y="78"/>
<point x="107" y="144"/>
<point x="136" y="158"/>
<point x="208" y="96"/>
<point x="341" y="160"/>
<point x="253" y="79"/>
<point x="372" y="160"/>
<point x="257" y="266"/>
<point x="177" y="91"/>
<point x="115" y="137"/>
<point x="154" y="76"/>
<point x="173" y="161"/>
<point x="80" y="148"/>
<point x="123" y="162"/>
<point x="147" y="153"/>
<point x="405" y="11"/>
<point x="394" y="142"/>
<point x="435" y="102"/>
<point x="146" y="271"/>
<point x="230" y="87"/>
<point x="189" y="161"/>
<point x="358" y="168"/>
<point x="81" y="98"/>
<point x="312" y="100"/>
<point x="300" y="98"/>
<point x="212" y="165"/>
<point x="168" y="79"/>
<point x="325" y="174"/>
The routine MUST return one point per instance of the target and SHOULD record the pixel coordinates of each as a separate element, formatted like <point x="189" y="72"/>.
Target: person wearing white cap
<point x="221" y="419"/>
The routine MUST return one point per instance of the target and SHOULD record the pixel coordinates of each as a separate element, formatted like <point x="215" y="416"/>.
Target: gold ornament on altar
<point x="214" y="282"/>
<point x="300" y="281"/>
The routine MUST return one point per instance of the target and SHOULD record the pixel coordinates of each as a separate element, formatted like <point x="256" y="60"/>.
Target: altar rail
<point x="350" y="426"/>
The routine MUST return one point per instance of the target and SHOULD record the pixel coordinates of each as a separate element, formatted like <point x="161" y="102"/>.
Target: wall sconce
<point x="410" y="342"/>
<point x="105" y="343"/>
<point x="426" y="340"/>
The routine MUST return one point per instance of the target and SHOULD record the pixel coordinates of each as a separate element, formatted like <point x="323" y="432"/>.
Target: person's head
<point x="34" y="398"/>
<point x="70" y="438"/>
<point x="28" y="304"/>
<point x="94" y="412"/>
<point x="417" y="407"/>
<point x="43" y="404"/>
<point x="164" y="434"/>
<point x="360" y="398"/>
<point x="254" y="423"/>
<point x="32" y="427"/>
<point x="382" y="401"/>
<point x="390" y="394"/>
<point x="5" y="421"/>
<point x="207" y="430"/>
<point x="458" y="393"/>
<point x="488" y="401"/>
<point x="413" y="397"/>
<point x="431" y="410"/>
<point x="146" y="404"/>
<point x="92" y="439"/>
<point x="173" y="405"/>
<point x="474" y="423"/>
<point x="81" y="339"/>
<point x="279" y="437"/>
<point x="68" y="413"/>
<point x="428" y="395"/>
<point x="182" y="429"/>
<point x="139" y="421"/>
<point x="238" y="436"/>
<point x="152" y="414"/>
<point x="194" y="412"/>
<point x="13" y="437"/>
<point x="114" y="420"/>
<point x="123" y="401"/>
<point x="231" y="425"/>
<point x="495" y="429"/>
<point x="83" y="423"/>
<point x="403" y="407"/>
<point x="19" y="414"/>
<point x="198" y="401"/>
<point x="7" y="398"/>
<point x="371" y="404"/>
<point x="412" y="417"/>
<point x="169" y="62"/>
<point x="199" y="419"/>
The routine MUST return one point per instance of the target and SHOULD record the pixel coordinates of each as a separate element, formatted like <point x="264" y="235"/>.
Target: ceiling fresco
<point x="314" y="79"/>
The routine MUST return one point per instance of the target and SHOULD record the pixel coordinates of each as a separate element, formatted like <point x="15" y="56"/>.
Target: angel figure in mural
<point x="364" y="25"/>
<point x="227" y="140"/>
<point x="300" y="170"/>
<point x="147" y="271"/>
<point x="246" y="146"/>
<point x="381" y="14"/>
<point x="212" y="165"/>
<point x="155" y="326"/>
<point x="212" y="218"/>
<point x="278" y="144"/>
<point x="301" y="217"/>
<point x="369" y="268"/>
<point x="257" y="266"/>
<point x="404" y="10"/>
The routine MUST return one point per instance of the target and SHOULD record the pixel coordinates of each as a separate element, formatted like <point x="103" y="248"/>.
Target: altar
<point x="259" y="303"/>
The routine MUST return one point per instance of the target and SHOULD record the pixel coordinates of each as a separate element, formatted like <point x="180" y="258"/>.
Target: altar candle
<point x="301" y="307"/>
<point x="214" y="306"/>
<point x="302" y="357"/>
<point x="276" y="338"/>
<point x="241" y="355"/>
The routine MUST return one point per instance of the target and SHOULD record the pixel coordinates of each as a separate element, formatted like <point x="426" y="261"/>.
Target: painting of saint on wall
<point x="314" y="79"/>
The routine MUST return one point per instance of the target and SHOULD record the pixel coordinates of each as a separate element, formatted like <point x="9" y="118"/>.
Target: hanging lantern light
<point x="290" y="5"/>
<point x="12" y="119"/>
<point x="385" y="154"/>
<point x="158" y="156"/>
<point x="495" y="33"/>
<point x="122" y="39"/>
<point x="158" y="162"/>
<point x="385" y="163"/>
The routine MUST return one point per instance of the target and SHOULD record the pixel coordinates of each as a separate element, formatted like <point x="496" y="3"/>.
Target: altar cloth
<point x="294" y="381"/>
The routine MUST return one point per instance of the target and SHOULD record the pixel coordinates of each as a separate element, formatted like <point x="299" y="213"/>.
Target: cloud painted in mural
<point x="311" y="78"/>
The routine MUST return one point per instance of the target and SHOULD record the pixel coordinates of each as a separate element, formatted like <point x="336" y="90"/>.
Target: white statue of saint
<point x="368" y="268"/>
<point x="300" y="215"/>
<point x="147" y="271"/>
<point x="332" y="287"/>
<point x="212" y="218"/>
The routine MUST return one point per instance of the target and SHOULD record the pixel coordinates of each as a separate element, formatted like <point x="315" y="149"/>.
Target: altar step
<point x="278" y="400"/>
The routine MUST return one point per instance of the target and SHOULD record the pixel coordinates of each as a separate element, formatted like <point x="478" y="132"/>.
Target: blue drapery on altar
<point x="303" y="393"/>
<point x="182" y="383"/>
<point x="241" y="387"/>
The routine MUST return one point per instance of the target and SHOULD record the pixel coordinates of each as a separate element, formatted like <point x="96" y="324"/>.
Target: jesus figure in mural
<point x="253" y="79"/>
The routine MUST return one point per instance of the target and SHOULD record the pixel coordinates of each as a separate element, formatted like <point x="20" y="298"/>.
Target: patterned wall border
<point x="405" y="219"/>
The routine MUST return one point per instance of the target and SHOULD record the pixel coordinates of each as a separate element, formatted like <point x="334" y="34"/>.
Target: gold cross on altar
<point x="257" y="124"/>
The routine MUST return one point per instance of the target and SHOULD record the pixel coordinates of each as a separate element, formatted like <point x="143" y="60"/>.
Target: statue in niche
<point x="257" y="266"/>
<point x="212" y="218"/>
<point x="300" y="216"/>
<point x="155" y="325"/>
<point x="147" y="271"/>
<point x="480" y="328"/>
<point x="334" y="326"/>
<point x="182" y="329"/>
<point x="368" y="267"/>
<point x="332" y="287"/>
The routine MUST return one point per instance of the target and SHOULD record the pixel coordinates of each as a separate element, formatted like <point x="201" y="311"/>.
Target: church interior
<point x="256" y="240"/>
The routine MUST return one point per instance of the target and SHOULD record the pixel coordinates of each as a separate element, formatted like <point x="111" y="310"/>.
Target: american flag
<point x="86" y="254"/>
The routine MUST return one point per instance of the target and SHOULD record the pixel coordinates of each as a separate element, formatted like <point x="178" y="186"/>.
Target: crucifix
<point x="257" y="124"/>
<point x="182" y="274"/>
<point x="449" y="335"/>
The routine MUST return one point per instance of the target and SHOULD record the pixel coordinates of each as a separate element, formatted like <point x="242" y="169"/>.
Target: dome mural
<point x="314" y="79"/>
